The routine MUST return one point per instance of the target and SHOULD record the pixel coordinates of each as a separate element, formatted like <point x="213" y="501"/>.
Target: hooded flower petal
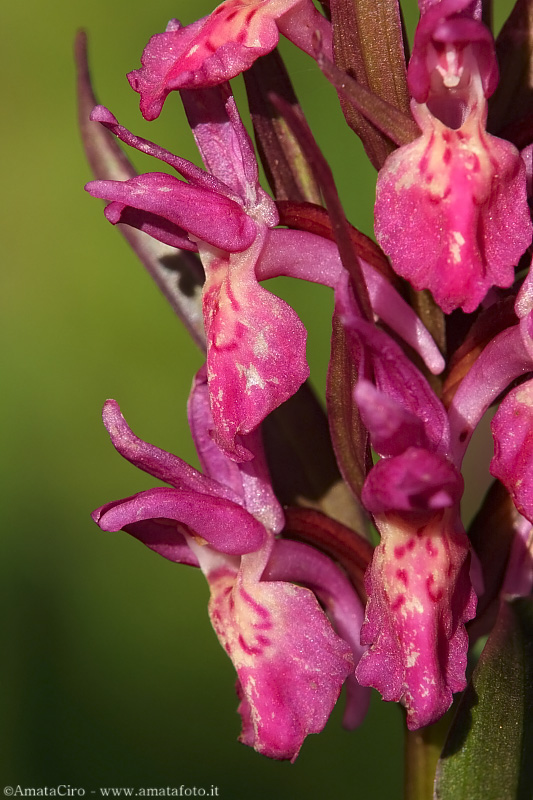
<point x="419" y="599"/>
<point x="395" y="376"/>
<point x="413" y="481"/>
<point x="393" y="428"/>
<point x="290" y="663"/>
<point x="451" y="208"/>
<point x="418" y="584"/>
<point x="220" y="46"/>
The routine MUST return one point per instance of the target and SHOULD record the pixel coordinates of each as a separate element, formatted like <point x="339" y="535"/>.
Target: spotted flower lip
<point x="219" y="47"/>
<point x="451" y="207"/>
<point x="290" y="662"/>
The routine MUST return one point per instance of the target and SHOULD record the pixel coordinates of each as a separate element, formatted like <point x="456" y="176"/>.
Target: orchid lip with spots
<point x="451" y="207"/>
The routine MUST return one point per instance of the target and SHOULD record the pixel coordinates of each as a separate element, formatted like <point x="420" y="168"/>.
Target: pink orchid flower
<point x="290" y="662"/>
<point x="255" y="341"/>
<point x="451" y="208"/>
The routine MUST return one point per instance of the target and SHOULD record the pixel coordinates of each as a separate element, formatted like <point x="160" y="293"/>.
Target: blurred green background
<point x="111" y="674"/>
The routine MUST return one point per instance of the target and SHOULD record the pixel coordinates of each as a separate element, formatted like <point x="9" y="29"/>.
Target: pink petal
<point x="419" y="599"/>
<point x="451" y="211"/>
<point x="162" y="465"/>
<point x="256" y="347"/>
<point x="392" y="427"/>
<point x="164" y="538"/>
<point x="204" y="214"/>
<point x="444" y="23"/>
<point x="299" y="563"/>
<point x="415" y="480"/>
<point x="290" y="663"/>
<point x="219" y="47"/>
<point x="226" y="148"/>
<point x="157" y="227"/>
<point x="186" y="169"/>
<point x="507" y="357"/>
<point x="395" y="375"/>
<point x="223" y="524"/>
<point x="251" y="479"/>
<point x="210" y="51"/>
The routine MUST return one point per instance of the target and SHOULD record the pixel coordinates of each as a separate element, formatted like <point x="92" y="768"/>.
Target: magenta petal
<point x="441" y="25"/>
<point x="163" y="537"/>
<point x="207" y="215"/>
<point x="210" y="51"/>
<point x="507" y="357"/>
<point x="392" y="428"/>
<point x="395" y="375"/>
<point x="162" y="465"/>
<point x="189" y="171"/>
<point x="451" y="212"/>
<point x="226" y="148"/>
<point x="299" y="563"/>
<point x="419" y="599"/>
<point x="223" y="524"/>
<point x="256" y="348"/>
<point x="290" y="663"/>
<point x="154" y="226"/>
<point x="213" y="461"/>
<point x="512" y="464"/>
<point x="416" y="480"/>
<point x="249" y="480"/>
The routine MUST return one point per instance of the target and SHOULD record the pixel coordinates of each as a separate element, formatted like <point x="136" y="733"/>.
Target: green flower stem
<point x="422" y="752"/>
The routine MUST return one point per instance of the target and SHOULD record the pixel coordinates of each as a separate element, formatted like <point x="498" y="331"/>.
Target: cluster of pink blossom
<point x="288" y="599"/>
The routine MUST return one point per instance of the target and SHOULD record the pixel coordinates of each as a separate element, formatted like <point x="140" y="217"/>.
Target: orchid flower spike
<point x="451" y="207"/>
<point x="224" y="44"/>
<point x="290" y="662"/>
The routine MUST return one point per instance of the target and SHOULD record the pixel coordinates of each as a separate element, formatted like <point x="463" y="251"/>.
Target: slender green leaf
<point x="488" y="753"/>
